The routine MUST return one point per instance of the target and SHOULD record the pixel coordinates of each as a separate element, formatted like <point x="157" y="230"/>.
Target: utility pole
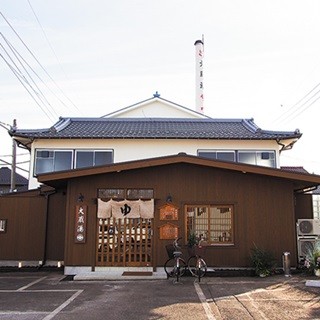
<point x="14" y="159"/>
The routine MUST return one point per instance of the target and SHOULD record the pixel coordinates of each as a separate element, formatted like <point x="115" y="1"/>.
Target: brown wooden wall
<point x="264" y="209"/>
<point x="30" y="217"/>
<point x="56" y="226"/>
<point x="24" y="239"/>
<point x="304" y="206"/>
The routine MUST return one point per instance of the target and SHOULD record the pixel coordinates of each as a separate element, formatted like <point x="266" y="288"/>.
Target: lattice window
<point x="212" y="223"/>
<point x="124" y="242"/>
<point x="125" y="193"/>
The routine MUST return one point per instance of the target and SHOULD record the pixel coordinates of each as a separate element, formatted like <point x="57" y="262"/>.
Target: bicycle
<point x="196" y="264"/>
<point x="175" y="266"/>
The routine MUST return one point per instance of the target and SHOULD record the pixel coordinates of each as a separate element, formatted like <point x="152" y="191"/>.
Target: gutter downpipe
<point x="285" y="147"/>
<point x="44" y="257"/>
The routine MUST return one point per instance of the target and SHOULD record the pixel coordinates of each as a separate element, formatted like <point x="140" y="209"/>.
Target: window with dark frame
<point x="255" y="157"/>
<point x="92" y="158"/>
<point x="211" y="223"/>
<point x="52" y="160"/>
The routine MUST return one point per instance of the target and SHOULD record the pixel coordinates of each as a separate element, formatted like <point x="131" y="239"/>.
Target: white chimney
<point x="199" y="75"/>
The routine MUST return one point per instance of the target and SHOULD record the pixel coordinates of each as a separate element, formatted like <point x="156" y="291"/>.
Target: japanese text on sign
<point x="80" y="224"/>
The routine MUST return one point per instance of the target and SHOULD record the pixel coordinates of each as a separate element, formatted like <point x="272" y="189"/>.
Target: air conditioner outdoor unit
<point x="305" y="245"/>
<point x="307" y="227"/>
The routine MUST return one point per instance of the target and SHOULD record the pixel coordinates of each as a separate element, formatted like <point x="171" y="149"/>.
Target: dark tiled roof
<point x="316" y="191"/>
<point x="294" y="169"/>
<point x="5" y="177"/>
<point x="155" y="128"/>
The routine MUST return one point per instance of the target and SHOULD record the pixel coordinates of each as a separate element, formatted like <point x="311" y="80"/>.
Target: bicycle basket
<point x="200" y="250"/>
<point x="170" y="250"/>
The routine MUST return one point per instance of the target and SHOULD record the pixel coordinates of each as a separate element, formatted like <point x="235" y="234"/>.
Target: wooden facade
<point x="63" y="225"/>
<point x="265" y="209"/>
<point x="35" y="226"/>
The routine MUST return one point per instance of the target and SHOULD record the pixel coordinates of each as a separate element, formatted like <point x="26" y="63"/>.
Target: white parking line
<point x="31" y="284"/>
<point x="21" y="313"/>
<point x="204" y="302"/>
<point x="50" y="315"/>
<point x="62" y="306"/>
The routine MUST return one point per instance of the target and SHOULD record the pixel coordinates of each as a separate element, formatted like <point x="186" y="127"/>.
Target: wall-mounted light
<point x="80" y="197"/>
<point x="169" y="198"/>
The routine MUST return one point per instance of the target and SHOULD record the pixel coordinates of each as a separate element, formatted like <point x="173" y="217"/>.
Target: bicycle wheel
<point x="192" y="261"/>
<point x="197" y="266"/>
<point x="169" y="267"/>
<point x="182" y="267"/>
<point x="201" y="268"/>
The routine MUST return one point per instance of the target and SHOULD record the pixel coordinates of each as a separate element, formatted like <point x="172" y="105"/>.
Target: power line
<point x="53" y="51"/>
<point x="38" y="93"/>
<point x="15" y="52"/>
<point x="295" y="110"/>
<point x="307" y="107"/>
<point x="38" y="62"/>
<point x="30" y="93"/>
<point x="10" y="155"/>
<point x="8" y="163"/>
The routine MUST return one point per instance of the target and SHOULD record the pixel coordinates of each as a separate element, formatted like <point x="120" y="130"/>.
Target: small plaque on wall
<point x="169" y="231"/>
<point x="3" y="225"/>
<point x="80" y="224"/>
<point x="168" y="212"/>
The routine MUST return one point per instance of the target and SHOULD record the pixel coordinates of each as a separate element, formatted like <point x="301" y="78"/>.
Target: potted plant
<point x="192" y="241"/>
<point x="317" y="267"/>
<point x="262" y="261"/>
<point x="312" y="261"/>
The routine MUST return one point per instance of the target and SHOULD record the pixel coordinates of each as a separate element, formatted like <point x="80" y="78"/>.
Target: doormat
<point x="137" y="273"/>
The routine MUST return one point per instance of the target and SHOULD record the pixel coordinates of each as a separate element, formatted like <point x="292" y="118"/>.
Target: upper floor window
<point x="260" y="158"/>
<point x="219" y="155"/>
<point x="50" y="160"/>
<point x="88" y="158"/>
<point x="255" y="157"/>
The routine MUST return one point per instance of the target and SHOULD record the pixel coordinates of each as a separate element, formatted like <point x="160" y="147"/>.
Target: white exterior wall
<point x="134" y="149"/>
<point x="156" y="109"/>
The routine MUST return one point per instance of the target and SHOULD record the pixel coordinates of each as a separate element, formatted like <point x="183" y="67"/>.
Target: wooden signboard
<point x="169" y="231"/>
<point x="168" y="212"/>
<point x="80" y="232"/>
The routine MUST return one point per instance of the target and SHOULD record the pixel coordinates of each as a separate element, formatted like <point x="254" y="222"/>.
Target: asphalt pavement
<point x="50" y="295"/>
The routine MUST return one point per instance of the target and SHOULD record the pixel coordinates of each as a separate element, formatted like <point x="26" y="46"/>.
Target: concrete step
<point x="122" y="273"/>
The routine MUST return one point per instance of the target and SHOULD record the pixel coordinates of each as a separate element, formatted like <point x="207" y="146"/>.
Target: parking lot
<point x="48" y="295"/>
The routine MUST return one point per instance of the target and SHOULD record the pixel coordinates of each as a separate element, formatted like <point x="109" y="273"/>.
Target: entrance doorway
<point x="124" y="242"/>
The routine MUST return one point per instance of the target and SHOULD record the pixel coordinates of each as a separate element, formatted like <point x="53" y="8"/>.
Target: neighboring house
<point x="296" y="169"/>
<point x="152" y="128"/>
<point x="316" y="203"/>
<point x="21" y="183"/>
<point x="315" y="191"/>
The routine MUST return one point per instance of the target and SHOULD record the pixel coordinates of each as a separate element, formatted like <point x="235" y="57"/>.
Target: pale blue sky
<point x="261" y="57"/>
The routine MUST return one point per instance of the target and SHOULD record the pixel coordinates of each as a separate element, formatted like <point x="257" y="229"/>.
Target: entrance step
<point x="122" y="273"/>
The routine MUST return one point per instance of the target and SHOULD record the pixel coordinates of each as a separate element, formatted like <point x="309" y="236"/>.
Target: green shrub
<point x="262" y="261"/>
